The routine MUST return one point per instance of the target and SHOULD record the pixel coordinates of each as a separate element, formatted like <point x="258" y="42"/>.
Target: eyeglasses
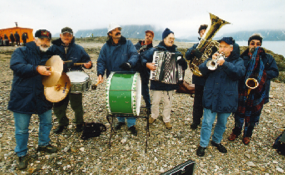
<point x="255" y="43"/>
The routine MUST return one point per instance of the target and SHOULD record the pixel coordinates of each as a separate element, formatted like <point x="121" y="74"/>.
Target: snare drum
<point x="123" y="94"/>
<point x="80" y="81"/>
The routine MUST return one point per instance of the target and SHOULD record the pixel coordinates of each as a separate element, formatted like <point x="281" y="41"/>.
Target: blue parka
<point x="221" y="86"/>
<point x="27" y="94"/>
<point x="195" y="79"/>
<point x="75" y="53"/>
<point x="147" y="57"/>
<point x="112" y="56"/>
<point x="271" y="70"/>
<point x="142" y="69"/>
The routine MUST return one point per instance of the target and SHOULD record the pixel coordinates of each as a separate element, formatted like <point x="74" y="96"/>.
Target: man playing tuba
<point x="261" y="67"/>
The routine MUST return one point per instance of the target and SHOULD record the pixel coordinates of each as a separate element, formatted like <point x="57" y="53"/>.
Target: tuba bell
<point x="206" y="44"/>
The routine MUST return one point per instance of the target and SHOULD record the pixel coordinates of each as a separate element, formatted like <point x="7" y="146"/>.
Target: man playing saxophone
<point x="260" y="67"/>
<point x="220" y="94"/>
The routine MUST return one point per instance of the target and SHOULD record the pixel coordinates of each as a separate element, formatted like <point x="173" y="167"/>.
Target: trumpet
<point x="251" y="83"/>
<point x="212" y="64"/>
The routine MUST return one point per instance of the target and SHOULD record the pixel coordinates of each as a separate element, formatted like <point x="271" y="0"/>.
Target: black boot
<point x="133" y="130"/>
<point x="23" y="162"/>
<point x="119" y="125"/>
<point x="200" y="151"/>
<point x="79" y="128"/>
<point x="59" y="129"/>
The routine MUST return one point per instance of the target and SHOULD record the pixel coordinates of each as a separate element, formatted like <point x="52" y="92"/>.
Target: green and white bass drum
<point x="123" y="93"/>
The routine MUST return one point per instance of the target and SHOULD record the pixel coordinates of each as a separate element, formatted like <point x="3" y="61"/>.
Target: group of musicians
<point x="219" y="92"/>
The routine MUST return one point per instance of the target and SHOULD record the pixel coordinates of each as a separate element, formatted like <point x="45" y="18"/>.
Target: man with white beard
<point x="27" y="95"/>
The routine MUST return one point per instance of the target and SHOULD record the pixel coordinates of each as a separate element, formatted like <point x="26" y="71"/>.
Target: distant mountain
<point x="137" y="31"/>
<point x="129" y="31"/>
<point x="268" y="35"/>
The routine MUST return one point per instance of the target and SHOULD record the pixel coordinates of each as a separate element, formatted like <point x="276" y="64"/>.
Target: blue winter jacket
<point x="75" y="53"/>
<point x="221" y="86"/>
<point x="271" y="70"/>
<point x="147" y="57"/>
<point x="112" y="56"/>
<point x="195" y="79"/>
<point x="144" y="72"/>
<point x="27" y="94"/>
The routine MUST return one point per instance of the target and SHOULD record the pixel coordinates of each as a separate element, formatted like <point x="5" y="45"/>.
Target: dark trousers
<point x="145" y="93"/>
<point x="18" y="42"/>
<point x="250" y="123"/>
<point x="76" y="105"/>
<point x="197" y="106"/>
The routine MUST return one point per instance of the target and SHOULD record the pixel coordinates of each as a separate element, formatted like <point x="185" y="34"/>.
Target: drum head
<point x="77" y="76"/>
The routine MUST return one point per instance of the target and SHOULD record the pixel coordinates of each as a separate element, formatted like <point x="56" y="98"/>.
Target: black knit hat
<point x="255" y="36"/>
<point x="166" y="32"/>
<point x="202" y="27"/>
<point x="43" y="33"/>
<point x="228" y="40"/>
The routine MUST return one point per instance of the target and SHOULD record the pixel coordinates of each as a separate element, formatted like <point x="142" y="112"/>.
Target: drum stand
<point x="124" y="115"/>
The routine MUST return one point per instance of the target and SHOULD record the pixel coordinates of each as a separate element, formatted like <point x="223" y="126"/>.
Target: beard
<point x="44" y="48"/>
<point x="251" y="50"/>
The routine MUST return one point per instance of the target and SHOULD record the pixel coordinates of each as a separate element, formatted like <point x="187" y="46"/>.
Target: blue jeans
<point x="22" y="122"/>
<point x="131" y="120"/>
<point x="145" y="94"/>
<point x="207" y="123"/>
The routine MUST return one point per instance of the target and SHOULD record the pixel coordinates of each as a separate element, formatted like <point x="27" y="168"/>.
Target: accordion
<point x="167" y="70"/>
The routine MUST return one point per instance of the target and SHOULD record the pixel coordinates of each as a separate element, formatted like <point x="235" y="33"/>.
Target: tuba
<point x="206" y="44"/>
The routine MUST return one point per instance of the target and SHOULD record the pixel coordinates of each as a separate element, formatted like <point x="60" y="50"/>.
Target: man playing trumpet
<point x="253" y="88"/>
<point x="220" y="94"/>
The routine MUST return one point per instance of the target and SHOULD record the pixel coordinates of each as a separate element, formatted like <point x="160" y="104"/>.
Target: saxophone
<point x="206" y="44"/>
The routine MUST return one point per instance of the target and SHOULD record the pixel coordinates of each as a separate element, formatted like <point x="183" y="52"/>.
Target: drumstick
<point x="94" y="86"/>
<point x="79" y="64"/>
<point x="68" y="61"/>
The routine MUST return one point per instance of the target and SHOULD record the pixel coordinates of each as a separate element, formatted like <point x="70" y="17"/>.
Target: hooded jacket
<point x="221" y="86"/>
<point x="147" y="57"/>
<point x="271" y="70"/>
<point x="112" y="56"/>
<point x="75" y="53"/>
<point x="27" y="94"/>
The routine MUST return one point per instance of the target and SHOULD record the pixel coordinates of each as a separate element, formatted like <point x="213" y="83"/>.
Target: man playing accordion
<point x="163" y="89"/>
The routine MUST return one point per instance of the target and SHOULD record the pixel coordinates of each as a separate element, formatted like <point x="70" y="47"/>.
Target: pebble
<point x="279" y="170"/>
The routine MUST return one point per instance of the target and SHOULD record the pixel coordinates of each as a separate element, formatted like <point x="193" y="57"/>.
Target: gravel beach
<point x="166" y="148"/>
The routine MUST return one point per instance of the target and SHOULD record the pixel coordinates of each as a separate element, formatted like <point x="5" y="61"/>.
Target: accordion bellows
<point x="167" y="70"/>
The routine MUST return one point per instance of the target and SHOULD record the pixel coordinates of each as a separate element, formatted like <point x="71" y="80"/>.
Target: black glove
<point x="182" y="62"/>
<point x="196" y="53"/>
<point x="126" y="66"/>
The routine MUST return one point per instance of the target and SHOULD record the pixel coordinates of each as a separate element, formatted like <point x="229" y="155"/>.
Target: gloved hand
<point x="196" y="53"/>
<point x="126" y="66"/>
<point x="182" y="62"/>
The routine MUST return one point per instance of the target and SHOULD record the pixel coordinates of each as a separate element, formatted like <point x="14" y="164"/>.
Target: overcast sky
<point x="181" y="16"/>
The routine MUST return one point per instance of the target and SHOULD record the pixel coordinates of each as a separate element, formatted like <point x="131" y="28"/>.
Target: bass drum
<point x="123" y="93"/>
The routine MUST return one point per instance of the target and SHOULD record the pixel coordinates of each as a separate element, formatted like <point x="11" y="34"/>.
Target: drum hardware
<point x="251" y="83"/>
<point x="123" y="98"/>
<point x="55" y="65"/>
<point x="212" y="64"/>
<point x="80" y="81"/>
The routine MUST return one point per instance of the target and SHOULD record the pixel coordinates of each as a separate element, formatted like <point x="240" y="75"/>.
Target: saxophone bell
<point x="251" y="83"/>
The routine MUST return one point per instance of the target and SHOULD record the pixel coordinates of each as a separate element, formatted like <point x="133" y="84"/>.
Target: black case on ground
<point x="183" y="168"/>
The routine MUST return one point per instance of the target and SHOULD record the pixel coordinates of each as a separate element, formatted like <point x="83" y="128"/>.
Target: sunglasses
<point x="253" y="43"/>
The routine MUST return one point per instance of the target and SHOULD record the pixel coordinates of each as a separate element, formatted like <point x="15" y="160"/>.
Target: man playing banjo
<point x="117" y="54"/>
<point x="66" y="48"/>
